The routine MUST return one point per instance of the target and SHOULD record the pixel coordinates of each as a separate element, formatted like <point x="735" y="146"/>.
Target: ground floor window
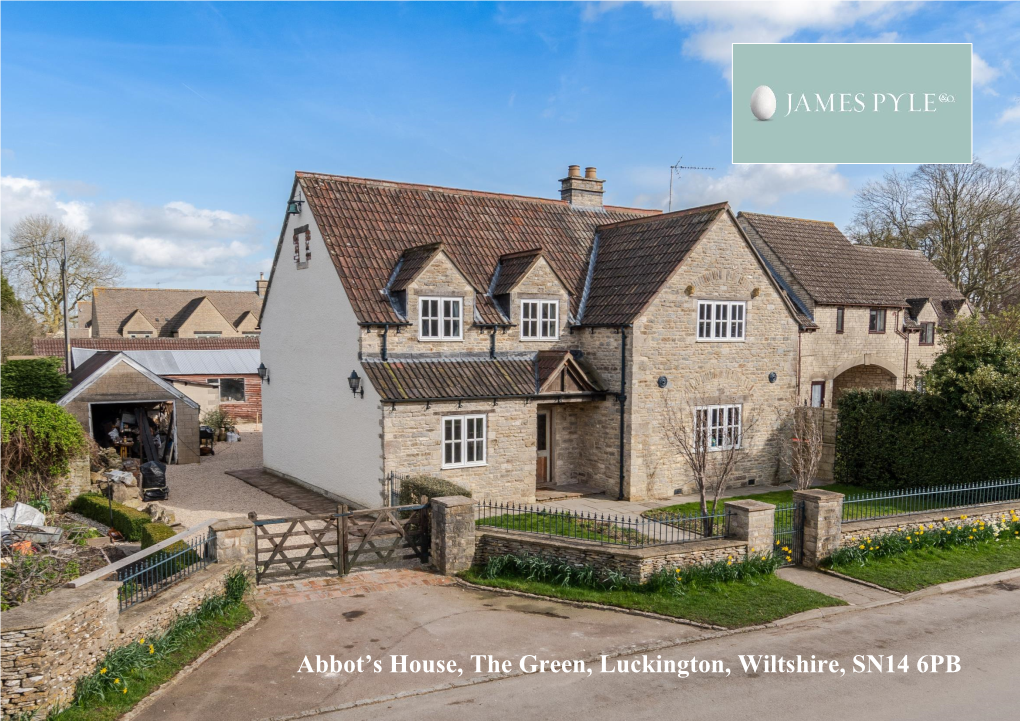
<point x="463" y="441"/>
<point x="718" y="426"/>
<point x="231" y="389"/>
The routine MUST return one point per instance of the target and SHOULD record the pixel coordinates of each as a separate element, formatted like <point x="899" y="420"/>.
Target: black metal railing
<point x="788" y="530"/>
<point x="603" y="528"/>
<point x="162" y="568"/>
<point x="883" y="504"/>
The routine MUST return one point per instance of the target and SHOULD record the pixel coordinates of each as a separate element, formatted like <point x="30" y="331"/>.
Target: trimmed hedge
<point x="38" y="437"/>
<point x="153" y="533"/>
<point x="903" y="439"/>
<point x="127" y="520"/>
<point x="413" y="488"/>
<point x="34" y="378"/>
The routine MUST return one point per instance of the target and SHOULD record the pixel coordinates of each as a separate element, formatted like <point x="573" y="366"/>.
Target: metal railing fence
<point x="602" y="528"/>
<point x="884" y="504"/>
<point x="144" y="578"/>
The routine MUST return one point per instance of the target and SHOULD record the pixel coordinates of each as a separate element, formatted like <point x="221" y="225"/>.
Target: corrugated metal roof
<point x="187" y="362"/>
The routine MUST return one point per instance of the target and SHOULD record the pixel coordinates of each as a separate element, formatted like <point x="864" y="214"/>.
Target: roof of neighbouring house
<point x="834" y="271"/>
<point x="165" y="308"/>
<point x="55" y="346"/>
<point x="368" y="225"/>
<point x="514" y="375"/>
<point x="232" y="361"/>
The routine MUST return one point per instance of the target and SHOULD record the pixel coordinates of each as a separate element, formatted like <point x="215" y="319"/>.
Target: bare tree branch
<point x="802" y="454"/>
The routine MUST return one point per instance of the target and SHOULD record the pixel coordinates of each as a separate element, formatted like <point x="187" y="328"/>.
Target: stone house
<point x="878" y="311"/>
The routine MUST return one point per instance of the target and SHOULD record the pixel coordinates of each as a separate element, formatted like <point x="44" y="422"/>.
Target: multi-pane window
<point x="540" y="319"/>
<point x="927" y="334"/>
<point x="840" y="317"/>
<point x="718" y="427"/>
<point x="440" y="318"/>
<point x="721" y="320"/>
<point x="231" y="389"/>
<point x="876" y="320"/>
<point x="463" y="441"/>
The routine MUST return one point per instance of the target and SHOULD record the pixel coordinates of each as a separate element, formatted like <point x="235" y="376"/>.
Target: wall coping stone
<point x="750" y="505"/>
<point x="232" y="524"/>
<point x="622" y="551"/>
<point x="937" y="515"/>
<point x="56" y="605"/>
<point x="817" y="494"/>
<point x="453" y="501"/>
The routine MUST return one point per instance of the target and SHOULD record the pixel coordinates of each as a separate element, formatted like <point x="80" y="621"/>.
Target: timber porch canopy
<point x="546" y="375"/>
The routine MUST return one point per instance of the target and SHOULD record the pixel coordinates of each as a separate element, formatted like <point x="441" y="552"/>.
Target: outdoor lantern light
<point x="263" y="372"/>
<point x="294" y="207"/>
<point x="354" y="381"/>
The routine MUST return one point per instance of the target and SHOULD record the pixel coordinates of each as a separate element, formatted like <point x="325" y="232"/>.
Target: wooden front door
<point x="542" y="466"/>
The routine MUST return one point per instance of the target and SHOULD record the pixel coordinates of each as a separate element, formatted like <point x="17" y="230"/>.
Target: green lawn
<point x="774" y="497"/>
<point x="914" y="570"/>
<point x="732" y="604"/>
<point x="145" y="682"/>
<point x="563" y="524"/>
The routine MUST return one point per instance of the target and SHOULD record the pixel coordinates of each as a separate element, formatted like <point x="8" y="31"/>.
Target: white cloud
<point x="748" y="187"/>
<point x="1010" y="114"/>
<point x="983" y="72"/>
<point x="715" y="26"/>
<point x="177" y="240"/>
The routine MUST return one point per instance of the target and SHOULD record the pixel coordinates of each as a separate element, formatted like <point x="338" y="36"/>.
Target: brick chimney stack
<point x="581" y="192"/>
<point x="260" y="285"/>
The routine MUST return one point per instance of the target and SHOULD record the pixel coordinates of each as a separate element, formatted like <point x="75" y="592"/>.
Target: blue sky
<point x="171" y="131"/>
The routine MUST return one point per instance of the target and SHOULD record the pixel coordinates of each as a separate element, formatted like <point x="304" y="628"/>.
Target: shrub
<point x="127" y="520"/>
<point x="217" y="419"/>
<point x="153" y="533"/>
<point x="33" y="378"/>
<point x="38" y="441"/>
<point x="902" y="439"/>
<point x="413" y="488"/>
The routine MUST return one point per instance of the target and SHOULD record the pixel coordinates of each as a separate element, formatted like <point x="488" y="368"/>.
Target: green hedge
<point x="127" y="520"/>
<point x="34" y="378"/>
<point x="38" y="438"/>
<point x="153" y="533"/>
<point x="902" y="439"/>
<point x="413" y="488"/>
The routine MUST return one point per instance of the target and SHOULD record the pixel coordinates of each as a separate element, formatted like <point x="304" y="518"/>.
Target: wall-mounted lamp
<point x="294" y="207"/>
<point x="354" y="381"/>
<point x="263" y="372"/>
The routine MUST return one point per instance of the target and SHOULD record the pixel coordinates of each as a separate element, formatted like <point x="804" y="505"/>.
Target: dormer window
<point x="441" y="318"/>
<point x="540" y="319"/>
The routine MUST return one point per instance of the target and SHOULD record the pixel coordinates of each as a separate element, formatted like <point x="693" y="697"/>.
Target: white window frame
<point x="542" y="321"/>
<point x="442" y="318"/>
<point x="717" y="321"/>
<point x="459" y="442"/>
<point x="721" y="427"/>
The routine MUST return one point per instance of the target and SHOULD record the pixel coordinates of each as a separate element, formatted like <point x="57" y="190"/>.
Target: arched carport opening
<point x="863" y="376"/>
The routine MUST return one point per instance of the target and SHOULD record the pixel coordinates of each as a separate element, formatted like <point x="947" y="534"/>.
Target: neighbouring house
<point x="879" y="311"/>
<point x="110" y="388"/>
<point x="214" y="372"/>
<point x="171" y="312"/>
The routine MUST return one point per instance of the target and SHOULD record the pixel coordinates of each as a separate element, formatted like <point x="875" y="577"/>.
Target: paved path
<point x="981" y="626"/>
<point x="293" y="494"/>
<point x="856" y="594"/>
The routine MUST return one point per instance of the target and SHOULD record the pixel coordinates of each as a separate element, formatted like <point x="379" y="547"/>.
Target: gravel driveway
<point x="200" y="491"/>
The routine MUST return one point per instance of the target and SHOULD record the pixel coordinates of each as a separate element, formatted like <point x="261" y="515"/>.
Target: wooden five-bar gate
<point x="334" y="543"/>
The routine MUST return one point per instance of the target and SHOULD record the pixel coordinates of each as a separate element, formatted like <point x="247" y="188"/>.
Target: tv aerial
<point x="675" y="170"/>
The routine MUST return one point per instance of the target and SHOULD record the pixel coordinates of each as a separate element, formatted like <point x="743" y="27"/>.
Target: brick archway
<point x="863" y="376"/>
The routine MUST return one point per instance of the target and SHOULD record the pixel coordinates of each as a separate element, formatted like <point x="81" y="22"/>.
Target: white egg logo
<point x="763" y="102"/>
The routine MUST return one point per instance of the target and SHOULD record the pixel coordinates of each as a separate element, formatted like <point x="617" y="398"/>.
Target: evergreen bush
<point x="33" y="378"/>
<point x="413" y="488"/>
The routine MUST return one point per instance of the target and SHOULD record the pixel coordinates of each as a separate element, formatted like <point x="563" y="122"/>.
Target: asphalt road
<point x="981" y="626"/>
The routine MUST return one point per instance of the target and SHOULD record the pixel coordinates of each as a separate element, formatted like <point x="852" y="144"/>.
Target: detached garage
<point x="122" y="403"/>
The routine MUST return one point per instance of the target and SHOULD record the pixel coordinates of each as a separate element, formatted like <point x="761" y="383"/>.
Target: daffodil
<point x="102" y="670"/>
<point x="116" y="680"/>
<point x="141" y="642"/>
<point x="152" y="649"/>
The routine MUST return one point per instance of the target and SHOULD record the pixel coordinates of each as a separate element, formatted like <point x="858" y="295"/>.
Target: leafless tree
<point x="35" y="267"/>
<point x="802" y="454"/>
<point x="964" y="218"/>
<point x="710" y="453"/>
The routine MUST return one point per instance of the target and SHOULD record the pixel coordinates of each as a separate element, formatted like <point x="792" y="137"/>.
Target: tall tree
<point x="35" y="267"/>
<point x="964" y="218"/>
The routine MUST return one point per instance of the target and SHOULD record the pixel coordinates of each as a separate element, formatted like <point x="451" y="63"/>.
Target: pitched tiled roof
<point x="512" y="269"/>
<point x="467" y="377"/>
<point x="55" y="346"/>
<point x="635" y="258"/>
<point x="833" y="271"/>
<point x="166" y="309"/>
<point x="368" y="224"/>
<point x="412" y="262"/>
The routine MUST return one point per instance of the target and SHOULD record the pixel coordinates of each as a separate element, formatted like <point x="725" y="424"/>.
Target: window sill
<point x="539" y="340"/>
<point x="876" y="332"/>
<point x="440" y="340"/>
<point x="720" y="340"/>
<point x="463" y="465"/>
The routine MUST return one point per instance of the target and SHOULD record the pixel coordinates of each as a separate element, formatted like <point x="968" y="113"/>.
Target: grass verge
<point x="914" y="570"/>
<point x="563" y="523"/>
<point x="130" y="673"/>
<point x="774" y="497"/>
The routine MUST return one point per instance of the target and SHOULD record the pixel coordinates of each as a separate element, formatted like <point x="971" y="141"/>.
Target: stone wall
<point x="855" y="530"/>
<point x="637" y="564"/>
<point x="48" y="644"/>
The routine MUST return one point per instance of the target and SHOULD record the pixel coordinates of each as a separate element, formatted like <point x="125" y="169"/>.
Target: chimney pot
<point x="582" y="191"/>
<point x="590" y="173"/>
<point x="261" y="284"/>
<point x="574" y="171"/>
